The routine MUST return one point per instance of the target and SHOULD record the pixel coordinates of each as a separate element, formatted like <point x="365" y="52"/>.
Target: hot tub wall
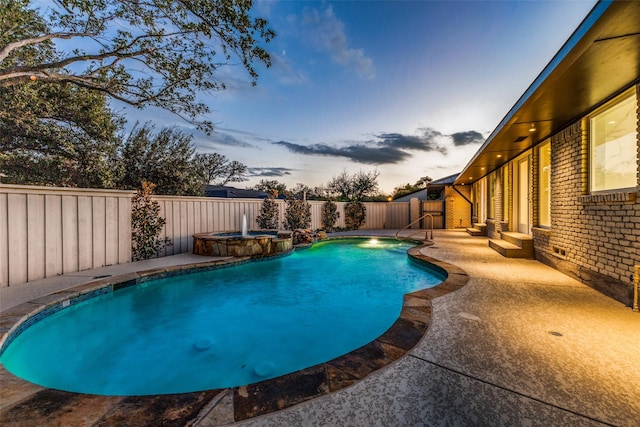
<point x="209" y="245"/>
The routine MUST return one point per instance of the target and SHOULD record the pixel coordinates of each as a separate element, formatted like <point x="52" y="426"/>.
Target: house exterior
<point x="457" y="204"/>
<point x="420" y="195"/>
<point x="233" y="193"/>
<point x="561" y="172"/>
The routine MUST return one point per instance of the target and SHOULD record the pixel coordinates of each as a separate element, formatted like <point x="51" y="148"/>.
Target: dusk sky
<point x="407" y="88"/>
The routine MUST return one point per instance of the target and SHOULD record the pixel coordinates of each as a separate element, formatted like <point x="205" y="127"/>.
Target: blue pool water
<point x="222" y="328"/>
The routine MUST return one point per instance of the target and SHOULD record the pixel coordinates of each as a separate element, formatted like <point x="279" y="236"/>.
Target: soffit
<point x="600" y="60"/>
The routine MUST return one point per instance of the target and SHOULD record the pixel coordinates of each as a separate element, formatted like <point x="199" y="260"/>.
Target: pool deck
<point x="519" y="344"/>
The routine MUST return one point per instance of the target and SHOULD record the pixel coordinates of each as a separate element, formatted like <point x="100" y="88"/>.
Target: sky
<point x="405" y="88"/>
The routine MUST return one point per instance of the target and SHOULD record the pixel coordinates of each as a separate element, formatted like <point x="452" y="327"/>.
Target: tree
<point x="297" y="214"/>
<point x="354" y="187"/>
<point x="164" y="158"/>
<point x="268" y="217"/>
<point x="158" y="53"/>
<point x="355" y="212"/>
<point x="411" y="188"/>
<point x="146" y="224"/>
<point x="330" y="215"/>
<point x="268" y="185"/>
<point x="57" y="135"/>
<point x="216" y="169"/>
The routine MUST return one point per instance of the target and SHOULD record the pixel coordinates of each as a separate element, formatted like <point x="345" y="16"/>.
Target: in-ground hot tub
<point x="253" y="244"/>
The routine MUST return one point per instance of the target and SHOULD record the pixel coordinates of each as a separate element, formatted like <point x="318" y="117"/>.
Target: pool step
<point x="513" y="245"/>
<point x="478" y="230"/>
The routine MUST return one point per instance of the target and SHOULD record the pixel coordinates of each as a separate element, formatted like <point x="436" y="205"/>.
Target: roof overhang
<point x="600" y="60"/>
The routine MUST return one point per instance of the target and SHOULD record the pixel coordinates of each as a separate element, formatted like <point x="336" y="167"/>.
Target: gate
<point x="436" y="209"/>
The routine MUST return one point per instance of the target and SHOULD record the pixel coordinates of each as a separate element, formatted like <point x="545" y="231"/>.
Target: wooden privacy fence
<point x="189" y="215"/>
<point x="48" y="231"/>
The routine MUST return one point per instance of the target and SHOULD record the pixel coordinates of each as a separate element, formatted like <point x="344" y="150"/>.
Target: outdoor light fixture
<point x="499" y="155"/>
<point x="532" y="128"/>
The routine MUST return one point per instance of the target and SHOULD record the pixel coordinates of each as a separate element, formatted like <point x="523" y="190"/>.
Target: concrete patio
<point x="520" y="344"/>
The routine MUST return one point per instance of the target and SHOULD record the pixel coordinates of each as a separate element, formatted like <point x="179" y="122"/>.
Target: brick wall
<point x="502" y="214"/>
<point x="458" y="210"/>
<point x="594" y="238"/>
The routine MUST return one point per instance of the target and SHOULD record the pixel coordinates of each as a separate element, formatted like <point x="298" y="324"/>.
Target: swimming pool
<point x="222" y="328"/>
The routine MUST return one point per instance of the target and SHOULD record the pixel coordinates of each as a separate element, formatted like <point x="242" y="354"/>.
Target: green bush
<point x="146" y="224"/>
<point x="297" y="215"/>
<point x="354" y="215"/>
<point x="330" y="215"/>
<point x="268" y="217"/>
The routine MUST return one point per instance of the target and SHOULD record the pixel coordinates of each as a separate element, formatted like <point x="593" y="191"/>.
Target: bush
<point x="354" y="215"/>
<point x="268" y="217"/>
<point x="330" y="215"/>
<point x="146" y="224"/>
<point x="297" y="215"/>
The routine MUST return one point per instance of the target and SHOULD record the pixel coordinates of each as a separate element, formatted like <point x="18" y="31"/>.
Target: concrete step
<point x="478" y="229"/>
<point x="519" y="239"/>
<point x="474" y="231"/>
<point x="513" y="245"/>
<point x="508" y="250"/>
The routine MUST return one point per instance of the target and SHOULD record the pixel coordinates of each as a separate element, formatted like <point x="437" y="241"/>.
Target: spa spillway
<point x="253" y="244"/>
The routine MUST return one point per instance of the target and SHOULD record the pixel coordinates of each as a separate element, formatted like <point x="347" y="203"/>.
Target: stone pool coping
<point x="243" y="402"/>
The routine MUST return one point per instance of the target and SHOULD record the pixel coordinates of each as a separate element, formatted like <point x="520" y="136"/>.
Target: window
<point x="544" y="185"/>
<point x="613" y="149"/>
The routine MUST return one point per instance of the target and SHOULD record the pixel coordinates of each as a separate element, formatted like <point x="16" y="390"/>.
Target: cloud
<point x="269" y="172"/>
<point x="385" y="148"/>
<point x="360" y="153"/>
<point x="388" y="148"/>
<point x="327" y="34"/>
<point x="286" y="74"/>
<point x="224" y="139"/>
<point x="466" y="138"/>
<point x="427" y="140"/>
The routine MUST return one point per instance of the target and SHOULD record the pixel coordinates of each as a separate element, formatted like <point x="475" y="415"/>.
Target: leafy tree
<point x="216" y="169"/>
<point x="57" y="135"/>
<point x="297" y="214"/>
<point x="155" y="53"/>
<point x="146" y="224"/>
<point x="354" y="187"/>
<point x="268" y="217"/>
<point x="355" y="212"/>
<point x="330" y="215"/>
<point x="50" y="134"/>
<point x="164" y="158"/>
<point x="420" y="184"/>
<point x="269" y="185"/>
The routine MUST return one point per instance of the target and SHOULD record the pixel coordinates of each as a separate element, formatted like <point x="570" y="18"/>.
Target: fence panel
<point x="35" y="237"/>
<point x="397" y="215"/>
<point x="47" y="231"/>
<point x="53" y="235"/>
<point x="436" y="209"/>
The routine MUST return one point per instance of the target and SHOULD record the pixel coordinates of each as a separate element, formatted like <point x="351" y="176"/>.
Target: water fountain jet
<point x="245" y="233"/>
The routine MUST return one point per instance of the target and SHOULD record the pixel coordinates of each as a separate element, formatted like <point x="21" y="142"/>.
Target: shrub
<point x="330" y="215"/>
<point x="268" y="217"/>
<point x="298" y="214"/>
<point x="354" y="215"/>
<point x="146" y="224"/>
